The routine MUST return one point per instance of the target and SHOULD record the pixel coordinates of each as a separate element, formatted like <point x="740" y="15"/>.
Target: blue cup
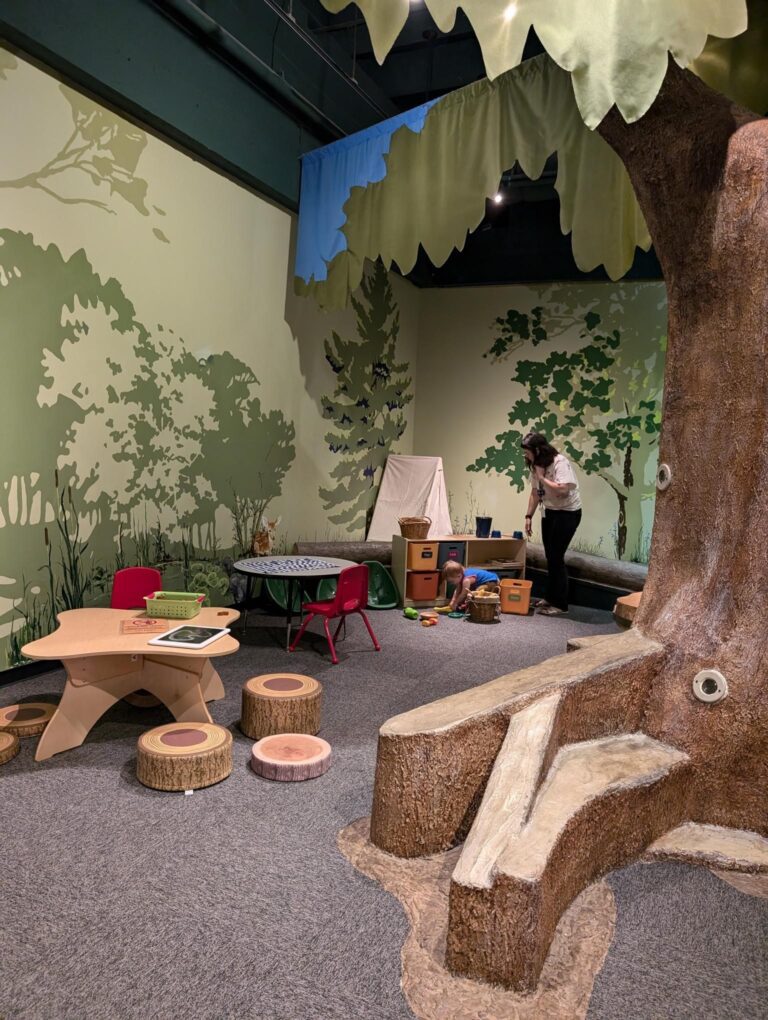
<point x="517" y="534"/>
<point x="482" y="527"/>
<point x="495" y="534"/>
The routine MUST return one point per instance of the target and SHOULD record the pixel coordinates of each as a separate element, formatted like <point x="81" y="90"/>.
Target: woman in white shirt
<point x="553" y="488"/>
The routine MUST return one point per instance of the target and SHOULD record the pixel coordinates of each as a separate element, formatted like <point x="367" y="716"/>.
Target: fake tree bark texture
<point x="554" y="775"/>
<point x="703" y="186"/>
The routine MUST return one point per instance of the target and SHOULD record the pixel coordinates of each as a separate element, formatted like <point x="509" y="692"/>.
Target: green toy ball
<point x="411" y="613"/>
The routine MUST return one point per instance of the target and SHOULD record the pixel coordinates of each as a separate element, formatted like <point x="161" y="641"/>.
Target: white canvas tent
<point x="410" y="487"/>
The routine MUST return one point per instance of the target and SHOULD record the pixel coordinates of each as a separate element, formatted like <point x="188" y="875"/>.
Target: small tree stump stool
<point x="626" y="607"/>
<point x="291" y="757"/>
<point x="184" y="756"/>
<point x="9" y="746"/>
<point x="27" y="719"/>
<point x="280" y="703"/>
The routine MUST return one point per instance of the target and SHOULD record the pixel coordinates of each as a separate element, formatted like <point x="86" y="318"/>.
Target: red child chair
<point x="351" y="596"/>
<point x="130" y="585"/>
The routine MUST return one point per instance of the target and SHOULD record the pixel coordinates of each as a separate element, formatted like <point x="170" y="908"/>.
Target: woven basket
<point x="174" y="605"/>
<point x="484" y="605"/>
<point x="414" y="527"/>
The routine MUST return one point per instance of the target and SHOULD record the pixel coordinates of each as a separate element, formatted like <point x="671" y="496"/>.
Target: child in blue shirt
<point x="465" y="581"/>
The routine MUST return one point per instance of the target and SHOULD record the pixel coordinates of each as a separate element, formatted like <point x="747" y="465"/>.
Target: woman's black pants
<point x="557" y="529"/>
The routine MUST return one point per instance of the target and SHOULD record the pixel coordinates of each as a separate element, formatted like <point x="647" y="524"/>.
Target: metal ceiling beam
<point x="227" y="47"/>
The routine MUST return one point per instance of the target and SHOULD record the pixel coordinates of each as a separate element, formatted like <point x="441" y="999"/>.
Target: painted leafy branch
<point x="600" y="403"/>
<point x="97" y="163"/>
<point x="7" y="63"/>
<point x="366" y="407"/>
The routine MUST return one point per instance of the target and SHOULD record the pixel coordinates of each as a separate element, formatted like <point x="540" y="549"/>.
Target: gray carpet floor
<point x="121" y="902"/>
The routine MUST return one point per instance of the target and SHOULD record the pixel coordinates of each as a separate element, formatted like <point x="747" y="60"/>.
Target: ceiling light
<point x="498" y="198"/>
<point x="510" y="11"/>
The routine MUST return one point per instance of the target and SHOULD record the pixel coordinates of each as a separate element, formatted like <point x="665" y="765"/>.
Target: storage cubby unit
<point x="505" y="556"/>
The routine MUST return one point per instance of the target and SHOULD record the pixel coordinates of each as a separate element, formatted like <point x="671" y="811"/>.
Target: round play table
<point x="293" y="570"/>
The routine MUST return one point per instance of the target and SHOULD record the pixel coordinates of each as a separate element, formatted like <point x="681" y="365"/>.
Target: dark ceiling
<point x="519" y="239"/>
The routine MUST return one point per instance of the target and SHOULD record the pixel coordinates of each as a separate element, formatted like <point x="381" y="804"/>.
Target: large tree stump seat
<point x="9" y="746"/>
<point x="533" y="816"/>
<point x="28" y="719"/>
<point x="280" y="703"/>
<point x="184" y="756"/>
<point x="291" y="757"/>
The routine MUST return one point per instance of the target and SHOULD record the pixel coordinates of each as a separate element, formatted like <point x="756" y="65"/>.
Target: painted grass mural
<point x="598" y="398"/>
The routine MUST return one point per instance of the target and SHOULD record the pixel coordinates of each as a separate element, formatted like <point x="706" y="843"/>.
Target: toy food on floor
<point x="430" y="621"/>
<point x="456" y="614"/>
<point x="410" y="613"/>
<point x="428" y="614"/>
<point x="442" y="609"/>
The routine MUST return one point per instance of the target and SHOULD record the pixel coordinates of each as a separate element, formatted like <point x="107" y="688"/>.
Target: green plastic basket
<point x="176" y="605"/>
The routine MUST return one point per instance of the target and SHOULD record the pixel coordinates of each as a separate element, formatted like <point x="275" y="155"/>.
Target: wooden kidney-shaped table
<point x="103" y="665"/>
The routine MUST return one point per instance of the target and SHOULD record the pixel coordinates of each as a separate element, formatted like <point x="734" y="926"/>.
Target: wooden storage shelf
<point x="489" y="553"/>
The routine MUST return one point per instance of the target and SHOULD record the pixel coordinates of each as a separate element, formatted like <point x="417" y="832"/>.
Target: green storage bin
<point x="174" y="605"/>
<point x="277" y="589"/>
<point x="326" y="589"/>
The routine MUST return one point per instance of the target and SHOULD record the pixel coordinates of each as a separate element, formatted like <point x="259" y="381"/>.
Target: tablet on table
<point x="189" y="636"/>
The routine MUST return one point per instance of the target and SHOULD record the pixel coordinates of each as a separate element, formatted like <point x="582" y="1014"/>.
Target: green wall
<point x="167" y="397"/>
<point x="169" y="401"/>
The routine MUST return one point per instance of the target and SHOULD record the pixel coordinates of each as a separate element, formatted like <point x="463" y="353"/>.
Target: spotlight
<point x="510" y="11"/>
<point x="498" y="198"/>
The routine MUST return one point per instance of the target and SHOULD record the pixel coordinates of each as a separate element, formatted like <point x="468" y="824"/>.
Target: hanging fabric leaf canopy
<point x="432" y="188"/>
<point x="615" y="50"/>
<point x="423" y="177"/>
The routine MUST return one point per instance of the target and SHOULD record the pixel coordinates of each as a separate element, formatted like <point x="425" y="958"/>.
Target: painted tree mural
<point x="366" y="407"/>
<point x="600" y="403"/>
<point x="121" y="444"/>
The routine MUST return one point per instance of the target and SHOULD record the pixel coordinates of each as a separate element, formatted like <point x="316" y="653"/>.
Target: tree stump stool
<point x="280" y="703"/>
<point x="626" y="607"/>
<point x="9" y="746"/>
<point x="291" y="757"/>
<point x="28" y="719"/>
<point x="184" y="756"/>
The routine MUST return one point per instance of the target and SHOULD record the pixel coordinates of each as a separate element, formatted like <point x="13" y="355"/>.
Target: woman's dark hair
<point x="543" y="451"/>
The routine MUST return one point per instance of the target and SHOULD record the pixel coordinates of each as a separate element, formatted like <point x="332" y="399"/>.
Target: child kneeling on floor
<point x="466" y="580"/>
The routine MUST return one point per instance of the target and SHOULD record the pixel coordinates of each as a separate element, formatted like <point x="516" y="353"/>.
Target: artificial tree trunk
<point x="556" y="774"/>
<point x="699" y="167"/>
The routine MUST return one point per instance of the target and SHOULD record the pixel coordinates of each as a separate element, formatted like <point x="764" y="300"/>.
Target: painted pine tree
<point x="366" y="407"/>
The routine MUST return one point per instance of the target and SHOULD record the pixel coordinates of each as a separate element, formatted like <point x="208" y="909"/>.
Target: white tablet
<point x="189" y="636"/>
